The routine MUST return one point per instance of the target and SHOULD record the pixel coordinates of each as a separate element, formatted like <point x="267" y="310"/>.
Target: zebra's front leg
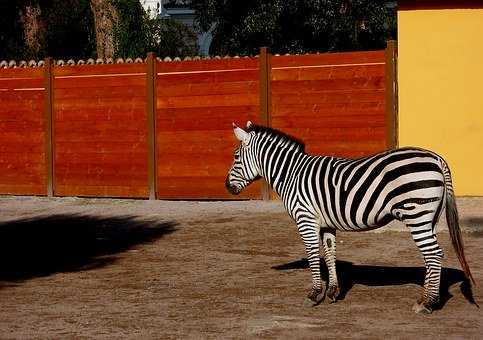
<point x="310" y="235"/>
<point x="328" y="242"/>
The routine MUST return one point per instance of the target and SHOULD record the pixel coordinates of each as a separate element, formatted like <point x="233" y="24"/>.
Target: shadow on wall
<point x="62" y="243"/>
<point x="350" y="274"/>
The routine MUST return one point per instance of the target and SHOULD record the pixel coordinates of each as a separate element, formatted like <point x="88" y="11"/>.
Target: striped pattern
<point x="325" y="194"/>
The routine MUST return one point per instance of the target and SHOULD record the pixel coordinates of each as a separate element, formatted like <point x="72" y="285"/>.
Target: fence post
<point x="391" y="95"/>
<point x="48" y="118"/>
<point x="265" y="93"/>
<point x="265" y="102"/>
<point x="151" y="117"/>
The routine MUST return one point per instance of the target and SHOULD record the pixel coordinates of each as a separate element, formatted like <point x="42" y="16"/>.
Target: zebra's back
<point x="369" y="192"/>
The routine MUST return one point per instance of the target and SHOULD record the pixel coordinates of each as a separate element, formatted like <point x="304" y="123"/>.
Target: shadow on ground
<point x="350" y="274"/>
<point x="63" y="243"/>
<point x="475" y="224"/>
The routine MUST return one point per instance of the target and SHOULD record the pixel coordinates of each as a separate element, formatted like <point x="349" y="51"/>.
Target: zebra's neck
<point x="278" y="163"/>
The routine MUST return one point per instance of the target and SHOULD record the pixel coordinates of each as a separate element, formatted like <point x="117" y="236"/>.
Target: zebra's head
<point x="244" y="169"/>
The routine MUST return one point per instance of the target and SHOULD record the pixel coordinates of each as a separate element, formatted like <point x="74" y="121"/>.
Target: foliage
<point x="241" y="27"/>
<point x="137" y="33"/>
<point x="173" y="39"/>
<point x="11" y="44"/>
<point x="68" y="31"/>
<point x="129" y="32"/>
<point x="292" y="26"/>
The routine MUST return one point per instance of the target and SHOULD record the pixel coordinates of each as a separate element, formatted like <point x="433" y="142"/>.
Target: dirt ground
<point x="112" y="269"/>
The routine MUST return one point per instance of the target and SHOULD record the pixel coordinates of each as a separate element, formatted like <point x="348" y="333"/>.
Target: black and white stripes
<point x="325" y="194"/>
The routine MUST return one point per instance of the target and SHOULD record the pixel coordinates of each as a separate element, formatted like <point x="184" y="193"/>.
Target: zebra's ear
<point x="249" y="124"/>
<point x="240" y="134"/>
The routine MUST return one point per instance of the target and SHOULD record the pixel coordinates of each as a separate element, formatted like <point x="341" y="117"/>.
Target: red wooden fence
<point x="163" y="129"/>
<point x="22" y="132"/>
<point x="196" y="103"/>
<point x="334" y="102"/>
<point x="100" y="131"/>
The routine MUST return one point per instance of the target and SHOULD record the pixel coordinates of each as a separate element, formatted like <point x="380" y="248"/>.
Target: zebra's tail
<point x="453" y="223"/>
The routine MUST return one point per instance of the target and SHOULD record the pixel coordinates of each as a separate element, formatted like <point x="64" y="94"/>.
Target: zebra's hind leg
<point x="309" y="232"/>
<point x="432" y="253"/>
<point x="328" y="241"/>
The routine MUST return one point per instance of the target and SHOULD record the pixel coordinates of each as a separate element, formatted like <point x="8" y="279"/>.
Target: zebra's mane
<point x="261" y="130"/>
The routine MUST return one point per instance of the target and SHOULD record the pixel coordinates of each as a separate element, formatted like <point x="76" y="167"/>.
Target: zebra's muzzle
<point x="232" y="189"/>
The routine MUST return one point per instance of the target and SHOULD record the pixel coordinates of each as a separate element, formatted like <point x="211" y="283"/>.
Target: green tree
<point x="130" y="30"/>
<point x="292" y="26"/>
<point x="173" y="39"/>
<point x="11" y="31"/>
<point x="138" y="33"/>
<point x="64" y="29"/>
<point x="69" y="29"/>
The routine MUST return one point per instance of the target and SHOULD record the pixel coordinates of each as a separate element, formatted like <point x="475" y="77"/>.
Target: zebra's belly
<point x="416" y="205"/>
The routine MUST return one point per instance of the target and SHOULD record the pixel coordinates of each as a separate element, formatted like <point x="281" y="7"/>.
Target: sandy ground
<point x="102" y="268"/>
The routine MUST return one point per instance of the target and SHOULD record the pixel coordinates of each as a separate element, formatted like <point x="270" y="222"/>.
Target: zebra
<point x="325" y="194"/>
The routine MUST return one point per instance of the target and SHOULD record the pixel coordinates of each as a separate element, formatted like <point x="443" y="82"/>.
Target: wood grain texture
<point x="207" y="78"/>
<point x="21" y="83"/>
<point x="196" y="105"/>
<point x="341" y="58"/>
<point x="329" y="72"/>
<point x="334" y="102"/>
<point x="193" y="164"/>
<point x="121" y="191"/>
<point x="19" y="72"/>
<point x="100" y="128"/>
<point x="22" y="135"/>
<point x="103" y="69"/>
<point x="86" y="82"/>
<point x="213" y="187"/>
<point x="207" y="65"/>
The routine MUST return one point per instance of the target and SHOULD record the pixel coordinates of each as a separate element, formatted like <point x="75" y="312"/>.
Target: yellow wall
<point x="440" y="76"/>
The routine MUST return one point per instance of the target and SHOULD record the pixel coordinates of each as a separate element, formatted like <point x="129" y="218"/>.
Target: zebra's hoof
<point x="332" y="294"/>
<point x="420" y="308"/>
<point x="313" y="299"/>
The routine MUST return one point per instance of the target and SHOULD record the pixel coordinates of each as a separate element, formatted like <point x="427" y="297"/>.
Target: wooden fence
<point x="163" y="129"/>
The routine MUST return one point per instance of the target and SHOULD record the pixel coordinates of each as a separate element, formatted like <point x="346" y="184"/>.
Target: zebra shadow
<point x="45" y="245"/>
<point x="475" y="224"/>
<point x="350" y="274"/>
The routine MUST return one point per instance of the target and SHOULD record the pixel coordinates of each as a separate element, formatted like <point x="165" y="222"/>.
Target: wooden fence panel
<point x="117" y="132"/>
<point x="100" y="131"/>
<point x="335" y="103"/>
<point x="196" y="105"/>
<point x="328" y="59"/>
<point x="22" y="132"/>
